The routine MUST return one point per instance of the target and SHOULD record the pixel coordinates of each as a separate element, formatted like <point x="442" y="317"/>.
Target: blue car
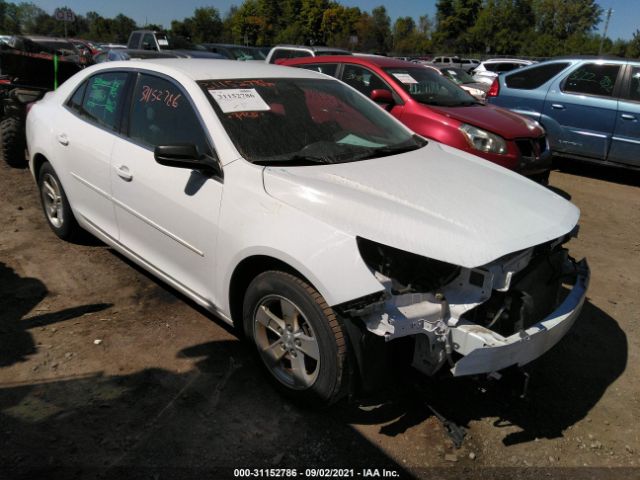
<point x="590" y="107"/>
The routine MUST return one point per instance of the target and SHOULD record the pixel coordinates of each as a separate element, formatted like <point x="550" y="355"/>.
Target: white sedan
<point x="297" y="209"/>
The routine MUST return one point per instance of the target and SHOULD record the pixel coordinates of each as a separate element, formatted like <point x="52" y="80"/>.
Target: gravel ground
<point x="105" y="373"/>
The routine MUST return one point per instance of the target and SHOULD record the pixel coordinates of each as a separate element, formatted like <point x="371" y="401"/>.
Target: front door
<point x="167" y="216"/>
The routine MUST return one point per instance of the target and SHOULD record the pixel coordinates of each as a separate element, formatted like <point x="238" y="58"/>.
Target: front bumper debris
<point x="486" y="351"/>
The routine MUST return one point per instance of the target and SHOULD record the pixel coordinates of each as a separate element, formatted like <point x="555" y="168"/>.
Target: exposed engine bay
<point x="476" y="320"/>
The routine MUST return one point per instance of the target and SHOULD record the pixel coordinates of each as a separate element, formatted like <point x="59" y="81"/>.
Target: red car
<point x="435" y="107"/>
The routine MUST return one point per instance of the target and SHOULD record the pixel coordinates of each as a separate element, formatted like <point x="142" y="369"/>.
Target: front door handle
<point x="124" y="173"/>
<point x="557" y="106"/>
<point x="628" y="116"/>
<point x="63" y="139"/>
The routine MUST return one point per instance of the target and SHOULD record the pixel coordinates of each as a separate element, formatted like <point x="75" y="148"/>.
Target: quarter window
<point x="592" y="79"/>
<point x="103" y="99"/>
<point x="535" y="76"/>
<point x="162" y="115"/>
<point x="75" y="102"/>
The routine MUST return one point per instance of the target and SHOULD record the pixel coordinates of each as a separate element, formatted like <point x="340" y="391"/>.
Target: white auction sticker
<point x="163" y="42"/>
<point x="405" y="78"/>
<point x="239" y="100"/>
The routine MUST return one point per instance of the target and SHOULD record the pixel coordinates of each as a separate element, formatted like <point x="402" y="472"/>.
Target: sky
<point x="624" y="20"/>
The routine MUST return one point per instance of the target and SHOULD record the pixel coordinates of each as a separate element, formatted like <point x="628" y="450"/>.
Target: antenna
<point x="606" y="27"/>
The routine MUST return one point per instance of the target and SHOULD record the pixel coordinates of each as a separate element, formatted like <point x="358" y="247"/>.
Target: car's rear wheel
<point x="56" y="207"/>
<point x="298" y="337"/>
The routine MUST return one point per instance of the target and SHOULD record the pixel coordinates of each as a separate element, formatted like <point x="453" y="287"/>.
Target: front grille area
<point x="531" y="149"/>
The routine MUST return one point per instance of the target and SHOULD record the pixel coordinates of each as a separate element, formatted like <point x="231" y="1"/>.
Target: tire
<point x="290" y="323"/>
<point x="55" y="204"/>
<point x="12" y="141"/>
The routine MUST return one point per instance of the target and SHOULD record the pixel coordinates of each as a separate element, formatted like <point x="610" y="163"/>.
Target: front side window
<point x="427" y="86"/>
<point x="534" y="77"/>
<point x="298" y="121"/>
<point x="592" y="79"/>
<point x="148" y="42"/>
<point x="103" y="99"/>
<point x="363" y="79"/>
<point x="162" y="115"/>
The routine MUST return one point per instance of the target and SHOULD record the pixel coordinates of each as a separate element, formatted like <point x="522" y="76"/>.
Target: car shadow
<point x="608" y="173"/>
<point x="18" y="297"/>
<point x="220" y="415"/>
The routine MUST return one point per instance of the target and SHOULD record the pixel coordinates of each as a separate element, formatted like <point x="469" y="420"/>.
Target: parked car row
<point x="296" y="209"/>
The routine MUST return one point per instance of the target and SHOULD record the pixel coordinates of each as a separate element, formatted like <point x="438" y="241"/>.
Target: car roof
<point x="376" y="60"/>
<point x="209" y="69"/>
<point x="318" y="48"/>
<point x="500" y="60"/>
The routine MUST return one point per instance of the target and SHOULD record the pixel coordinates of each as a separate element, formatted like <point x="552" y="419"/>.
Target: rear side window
<point x="592" y="79"/>
<point x="326" y="68"/>
<point x="535" y="76"/>
<point x="103" y="99"/>
<point x="162" y="115"/>
<point x="134" y="41"/>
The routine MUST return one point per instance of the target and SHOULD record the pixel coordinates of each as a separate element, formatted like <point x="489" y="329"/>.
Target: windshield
<point x="426" y="85"/>
<point x="295" y="121"/>
<point x="458" y="75"/>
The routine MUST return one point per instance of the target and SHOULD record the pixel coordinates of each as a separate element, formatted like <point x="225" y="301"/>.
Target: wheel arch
<point x="38" y="160"/>
<point x="248" y="269"/>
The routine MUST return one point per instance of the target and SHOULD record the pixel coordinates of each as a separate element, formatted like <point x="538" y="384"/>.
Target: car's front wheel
<point x="55" y="204"/>
<point x="298" y="337"/>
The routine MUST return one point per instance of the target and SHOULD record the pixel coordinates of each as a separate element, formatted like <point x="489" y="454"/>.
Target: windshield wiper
<point x="396" y="149"/>
<point x="293" y="160"/>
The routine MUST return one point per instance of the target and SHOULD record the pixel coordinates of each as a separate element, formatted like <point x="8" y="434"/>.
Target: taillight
<point x="494" y="90"/>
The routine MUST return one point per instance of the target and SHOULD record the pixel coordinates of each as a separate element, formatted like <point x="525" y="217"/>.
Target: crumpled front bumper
<point x="486" y="351"/>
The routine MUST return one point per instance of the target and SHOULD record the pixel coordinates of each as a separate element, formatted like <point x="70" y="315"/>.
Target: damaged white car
<point x="293" y="206"/>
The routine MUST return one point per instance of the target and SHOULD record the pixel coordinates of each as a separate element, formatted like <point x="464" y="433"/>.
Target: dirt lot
<point x="106" y="373"/>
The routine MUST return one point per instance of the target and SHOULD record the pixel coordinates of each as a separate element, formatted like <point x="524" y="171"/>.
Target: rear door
<point x="167" y="216"/>
<point x="580" y="109"/>
<point x="625" y="145"/>
<point x="85" y="134"/>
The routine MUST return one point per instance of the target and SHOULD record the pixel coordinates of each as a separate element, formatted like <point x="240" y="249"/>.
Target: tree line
<point x="538" y="28"/>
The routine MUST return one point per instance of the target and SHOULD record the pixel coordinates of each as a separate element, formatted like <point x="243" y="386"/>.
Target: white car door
<point x="85" y="135"/>
<point x="167" y="216"/>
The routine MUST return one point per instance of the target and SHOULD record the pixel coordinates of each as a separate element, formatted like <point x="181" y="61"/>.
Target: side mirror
<point x="186" y="156"/>
<point x="382" y="96"/>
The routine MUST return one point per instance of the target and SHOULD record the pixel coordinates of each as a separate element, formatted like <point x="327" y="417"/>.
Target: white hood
<point x="438" y="202"/>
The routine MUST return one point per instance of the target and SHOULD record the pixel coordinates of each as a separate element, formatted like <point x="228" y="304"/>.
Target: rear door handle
<point x="557" y="106"/>
<point x="63" y="140"/>
<point x="628" y="116"/>
<point x="123" y="172"/>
